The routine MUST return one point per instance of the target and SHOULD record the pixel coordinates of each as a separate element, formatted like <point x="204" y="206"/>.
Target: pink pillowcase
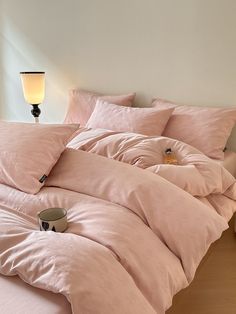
<point x="29" y="151"/>
<point x="207" y="129"/>
<point x="82" y="104"/>
<point x="147" y="121"/>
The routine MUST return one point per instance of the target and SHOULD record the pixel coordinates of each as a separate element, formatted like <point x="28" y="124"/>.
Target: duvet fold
<point x="174" y="215"/>
<point x="195" y="173"/>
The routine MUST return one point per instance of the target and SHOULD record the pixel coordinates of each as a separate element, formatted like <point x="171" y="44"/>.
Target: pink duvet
<point x="134" y="238"/>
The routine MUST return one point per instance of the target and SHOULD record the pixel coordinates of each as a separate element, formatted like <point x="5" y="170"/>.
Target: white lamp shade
<point x="33" y="84"/>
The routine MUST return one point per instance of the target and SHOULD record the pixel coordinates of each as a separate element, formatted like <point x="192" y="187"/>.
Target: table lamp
<point x="33" y="84"/>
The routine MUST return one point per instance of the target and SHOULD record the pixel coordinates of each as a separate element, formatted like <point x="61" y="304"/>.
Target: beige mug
<point x="53" y="219"/>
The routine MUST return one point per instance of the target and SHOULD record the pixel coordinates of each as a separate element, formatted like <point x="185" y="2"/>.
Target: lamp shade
<point x="33" y="84"/>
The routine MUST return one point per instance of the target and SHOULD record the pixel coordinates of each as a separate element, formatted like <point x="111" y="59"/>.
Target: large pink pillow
<point x="147" y="121"/>
<point x="82" y="104"/>
<point x="207" y="129"/>
<point x="29" y="151"/>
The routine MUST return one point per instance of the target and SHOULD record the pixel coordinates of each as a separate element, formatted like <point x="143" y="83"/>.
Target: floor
<point x="213" y="290"/>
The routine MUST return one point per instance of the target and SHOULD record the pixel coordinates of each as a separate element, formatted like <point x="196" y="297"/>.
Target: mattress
<point x="21" y="298"/>
<point x="229" y="162"/>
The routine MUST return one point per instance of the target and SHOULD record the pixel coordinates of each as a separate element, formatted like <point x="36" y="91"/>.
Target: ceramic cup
<point x="53" y="219"/>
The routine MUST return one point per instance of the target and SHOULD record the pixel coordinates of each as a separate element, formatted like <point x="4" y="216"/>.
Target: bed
<point x="138" y="228"/>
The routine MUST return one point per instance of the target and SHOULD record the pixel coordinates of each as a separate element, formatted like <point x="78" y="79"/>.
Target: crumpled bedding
<point x="195" y="173"/>
<point x="134" y="238"/>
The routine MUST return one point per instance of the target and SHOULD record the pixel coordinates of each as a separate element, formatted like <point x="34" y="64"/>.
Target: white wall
<point x="181" y="50"/>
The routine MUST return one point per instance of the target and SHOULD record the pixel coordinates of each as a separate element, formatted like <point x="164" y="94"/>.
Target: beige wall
<point x="181" y="50"/>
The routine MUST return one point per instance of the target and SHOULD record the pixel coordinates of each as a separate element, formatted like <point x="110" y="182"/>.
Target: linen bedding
<point x="135" y="236"/>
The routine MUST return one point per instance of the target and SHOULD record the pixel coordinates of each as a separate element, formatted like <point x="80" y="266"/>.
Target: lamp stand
<point x="36" y="112"/>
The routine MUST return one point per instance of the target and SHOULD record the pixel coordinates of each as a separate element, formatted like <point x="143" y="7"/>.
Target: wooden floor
<point x="213" y="290"/>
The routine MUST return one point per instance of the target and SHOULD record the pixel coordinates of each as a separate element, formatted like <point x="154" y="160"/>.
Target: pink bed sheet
<point x="18" y="297"/>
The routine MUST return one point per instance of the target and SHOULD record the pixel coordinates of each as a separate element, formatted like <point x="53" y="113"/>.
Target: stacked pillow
<point x="94" y="110"/>
<point x="205" y="128"/>
<point x="82" y="104"/>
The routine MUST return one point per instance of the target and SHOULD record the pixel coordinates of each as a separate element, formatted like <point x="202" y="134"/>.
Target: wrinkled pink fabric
<point x="205" y="128"/>
<point x="82" y="104"/>
<point x="148" y="121"/>
<point x="195" y="173"/>
<point x="134" y="265"/>
<point x="134" y="239"/>
<point x="28" y="151"/>
<point x="142" y="192"/>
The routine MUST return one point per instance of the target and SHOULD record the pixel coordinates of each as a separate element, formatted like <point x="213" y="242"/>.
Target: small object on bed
<point x="170" y="157"/>
<point x="53" y="219"/>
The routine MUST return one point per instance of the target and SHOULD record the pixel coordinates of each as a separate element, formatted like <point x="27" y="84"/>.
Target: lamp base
<point x="36" y="112"/>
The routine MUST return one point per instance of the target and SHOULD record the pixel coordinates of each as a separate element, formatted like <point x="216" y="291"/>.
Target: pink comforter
<point x="134" y="238"/>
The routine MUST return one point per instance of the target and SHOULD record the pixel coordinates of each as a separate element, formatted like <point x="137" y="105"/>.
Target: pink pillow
<point x="207" y="129"/>
<point x="82" y="104"/>
<point x="29" y="151"/>
<point x="147" y="121"/>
